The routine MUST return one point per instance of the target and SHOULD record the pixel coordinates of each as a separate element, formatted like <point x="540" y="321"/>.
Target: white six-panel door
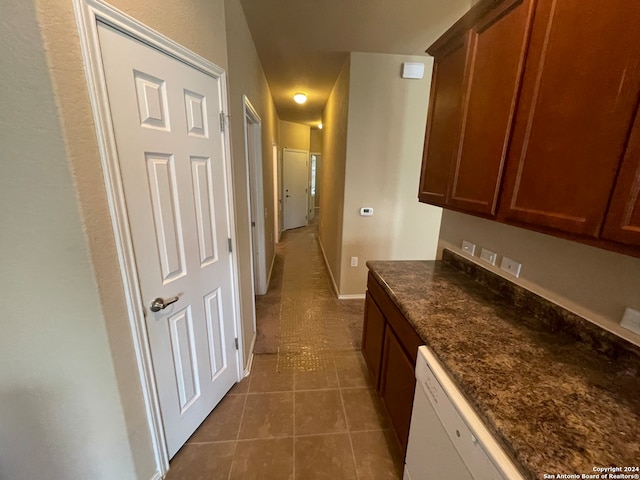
<point x="295" y="186"/>
<point x="166" y="120"/>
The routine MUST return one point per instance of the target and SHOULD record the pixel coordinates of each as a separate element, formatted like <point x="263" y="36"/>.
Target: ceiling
<point x="302" y="44"/>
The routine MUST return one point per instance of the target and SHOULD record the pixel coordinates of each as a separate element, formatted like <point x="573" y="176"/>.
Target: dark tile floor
<point x="308" y="409"/>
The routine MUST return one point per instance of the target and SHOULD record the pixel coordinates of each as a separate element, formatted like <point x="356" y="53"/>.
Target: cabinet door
<point x="623" y="218"/>
<point x="397" y="385"/>
<point x="443" y="124"/>
<point x="373" y="337"/>
<point x="494" y="69"/>
<point x="579" y="92"/>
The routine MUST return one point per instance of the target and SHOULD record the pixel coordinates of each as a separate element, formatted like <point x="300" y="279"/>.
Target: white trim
<point x="88" y="13"/>
<point x="273" y="262"/>
<point x="306" y="207"/>
<point x="247" y="370"/>
<point x="352" y="296"/>
<point x="326" y="262"/>
<point x="255" y="196"/>
<point x="157" y="476"/>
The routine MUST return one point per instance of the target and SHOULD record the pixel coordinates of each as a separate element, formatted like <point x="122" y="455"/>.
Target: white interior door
<point x="166" y="123"/>
<point x="295" y="184"/>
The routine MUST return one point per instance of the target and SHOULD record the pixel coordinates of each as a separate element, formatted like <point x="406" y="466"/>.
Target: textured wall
<point x="591" y="282"/>
<point x="384" y="154"/>
<point x="294" y="135"/>
<point x="60" y="406"/>
<point x="332" y="173"/>
<point x="198" y="25"/>
<point x="247" y="78"/>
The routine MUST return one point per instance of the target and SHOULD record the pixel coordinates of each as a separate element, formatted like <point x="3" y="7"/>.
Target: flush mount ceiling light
<point x="300" y="98"/>
<point x="320" y="126"/>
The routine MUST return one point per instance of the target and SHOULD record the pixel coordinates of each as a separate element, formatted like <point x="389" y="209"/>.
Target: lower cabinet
<point x="397" y="384"/>
<point x="390" y="347"/>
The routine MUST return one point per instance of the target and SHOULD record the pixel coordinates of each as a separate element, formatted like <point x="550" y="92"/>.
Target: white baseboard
<point x="354" y="296"/>
<point x="273" y="262"/>
<point x="247" y="370"/>
<point x="326" y="262"/>
<point x="156" y="476"/>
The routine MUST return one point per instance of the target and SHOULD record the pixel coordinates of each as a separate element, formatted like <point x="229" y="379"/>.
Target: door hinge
<point x="236" y="343"/>
<point x="222" y="121"/>
<point x="253" y="224"/>
<point x="230" y="246"/>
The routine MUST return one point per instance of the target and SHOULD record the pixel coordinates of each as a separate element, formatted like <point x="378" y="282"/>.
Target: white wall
<point x="60" y="412"/>
<point x="386" y="125"/>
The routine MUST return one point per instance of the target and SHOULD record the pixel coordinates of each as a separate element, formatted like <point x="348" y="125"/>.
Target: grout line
<point x="346" y="419"/>
<point x="235" y="450"/>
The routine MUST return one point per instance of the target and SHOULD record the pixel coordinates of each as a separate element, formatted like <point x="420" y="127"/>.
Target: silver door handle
<point x="160" y="304"/>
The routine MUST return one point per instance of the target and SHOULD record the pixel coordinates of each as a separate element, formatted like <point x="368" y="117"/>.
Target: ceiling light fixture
<point x="320" y="126"/>
<point x="300" y="98"/>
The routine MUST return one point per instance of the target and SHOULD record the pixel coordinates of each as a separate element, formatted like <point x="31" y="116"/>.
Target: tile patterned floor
<point x="308" y="409"/>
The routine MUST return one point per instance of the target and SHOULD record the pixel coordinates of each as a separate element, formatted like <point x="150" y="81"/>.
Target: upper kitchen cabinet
<point x="622" y="223"/>
<point x="477" y="71"/>
<point x="579" y="94"/>
<point x="444" y="118"/>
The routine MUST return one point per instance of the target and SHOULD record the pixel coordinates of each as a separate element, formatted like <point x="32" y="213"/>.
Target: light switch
<point x="366" y="211"/>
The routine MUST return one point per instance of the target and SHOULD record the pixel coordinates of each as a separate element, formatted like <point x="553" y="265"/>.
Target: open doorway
<point x="253" y="155"/>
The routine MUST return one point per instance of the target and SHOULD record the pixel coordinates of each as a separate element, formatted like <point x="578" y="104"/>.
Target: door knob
<point x="160" y="304"/>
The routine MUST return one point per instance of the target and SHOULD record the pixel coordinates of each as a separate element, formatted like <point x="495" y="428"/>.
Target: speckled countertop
<point x="561" y="395"/>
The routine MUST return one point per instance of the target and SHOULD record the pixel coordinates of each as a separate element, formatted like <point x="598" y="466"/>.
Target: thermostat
<point x="366" y="211"/>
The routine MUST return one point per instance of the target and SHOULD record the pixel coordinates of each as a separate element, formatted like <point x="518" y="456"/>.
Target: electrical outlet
<point x="511" y="266"/>
<point x="354" y="261"/>
<point x="631" y="320"/>
<point x="468" y="247"/>
<point x="488" y="256"/>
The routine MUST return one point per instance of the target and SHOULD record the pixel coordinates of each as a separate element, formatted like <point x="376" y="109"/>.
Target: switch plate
<point x="366" y="211"/>
<point x="354" y="261"/>
<point x="468" y="247"/>
<point x="488" y="256"/>
<point x="511" y="266"/>
<point x="631" y="320"/>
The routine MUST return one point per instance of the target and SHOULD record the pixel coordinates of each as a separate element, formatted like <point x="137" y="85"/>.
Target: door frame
<point x="88" y="13"/>
<point x="306" y="209"/>
<point x="255" y="194"/>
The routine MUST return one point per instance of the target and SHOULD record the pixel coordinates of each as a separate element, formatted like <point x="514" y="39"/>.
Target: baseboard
<point x="273" y="262"/>
<point x="247" y="370"/>
<point x="354" y="296"/>
<point x="326" y="263"/>
<point x="156" y="476"/>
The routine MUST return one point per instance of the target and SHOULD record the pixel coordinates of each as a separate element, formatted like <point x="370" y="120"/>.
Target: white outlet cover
<point x="631" y="320"/>
<point x="488" y="256"/>
<point x="511" y="266"/>
<point x="468" y="247"/>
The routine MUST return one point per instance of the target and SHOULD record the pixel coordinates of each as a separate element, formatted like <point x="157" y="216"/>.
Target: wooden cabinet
<point x="397" y="385"/>
<point x="539" y="124"/>
<point x="443" y="123"/>
<point x="373" y="337"/>
<point x="579" y="96"/>
<point x="475" y="85"/>
<point x="390" y="348"/>
<point x="623" y="218"/>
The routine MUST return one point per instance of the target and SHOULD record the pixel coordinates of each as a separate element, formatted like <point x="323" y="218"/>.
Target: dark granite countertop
<point x="560" y="394"/>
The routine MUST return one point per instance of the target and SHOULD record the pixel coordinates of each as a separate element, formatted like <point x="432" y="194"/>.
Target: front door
<point x="296" y="182"/>
<point x="166" y="121"/>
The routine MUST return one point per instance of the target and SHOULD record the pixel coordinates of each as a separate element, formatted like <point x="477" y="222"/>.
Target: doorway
<point x="296" y="188"/>
<point x="164" y="149"/>
<point x="253" y="156"/>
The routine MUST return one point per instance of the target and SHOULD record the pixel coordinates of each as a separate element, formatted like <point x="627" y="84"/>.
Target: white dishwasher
<point x="447" y="440"/>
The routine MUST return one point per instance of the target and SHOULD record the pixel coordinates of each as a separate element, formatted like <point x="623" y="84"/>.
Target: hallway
<point x="308" y="410"/>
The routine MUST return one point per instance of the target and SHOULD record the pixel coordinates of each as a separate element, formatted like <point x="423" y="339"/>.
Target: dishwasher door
<point x="446" y="437"/>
